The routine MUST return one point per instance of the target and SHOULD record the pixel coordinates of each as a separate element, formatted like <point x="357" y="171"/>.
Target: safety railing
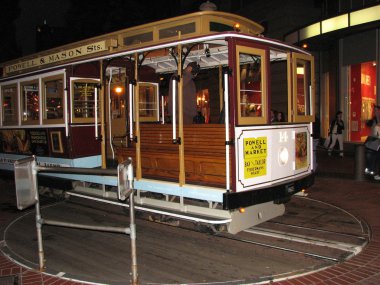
<point x="26" y="171"/>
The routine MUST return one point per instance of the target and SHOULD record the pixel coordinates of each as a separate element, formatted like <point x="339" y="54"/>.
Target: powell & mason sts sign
<point x="59" y="56"/>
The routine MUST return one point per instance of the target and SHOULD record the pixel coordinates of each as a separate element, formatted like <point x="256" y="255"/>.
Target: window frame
<point x="45" y="120"/>
<point x="82" y="80"/>
<point x="263" y="119"/>
<point x="37" y="81"/>
<point x="294" y="60"/>
<point x="17" y="105"/>
<point x="153" y="118"/>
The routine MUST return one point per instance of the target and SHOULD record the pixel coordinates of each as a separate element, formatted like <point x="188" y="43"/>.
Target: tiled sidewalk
<point x="362" y="200"/>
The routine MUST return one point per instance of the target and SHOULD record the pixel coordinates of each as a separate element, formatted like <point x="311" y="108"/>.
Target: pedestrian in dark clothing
<point x="336" y="132"/>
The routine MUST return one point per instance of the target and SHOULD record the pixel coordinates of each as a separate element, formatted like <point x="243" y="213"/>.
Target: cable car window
<point x="251" y="86"/>
<point x="10" y="104"/>
<point x="139" y="38"/>
<point x="303" y="69"/>
<point x="83" y="107"/>
<point x="219" y="27"/>
<point x="53" y="99"/>
<point x="173" y="30"/>
<point x="30" y="102"/>
<point x="148" y="102"/>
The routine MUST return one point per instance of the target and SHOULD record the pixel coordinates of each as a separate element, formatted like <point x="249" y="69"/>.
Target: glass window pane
<point x="219" y="27"/>
<point x="84" y="99"/>
<point x="118" y="107"/>
<point x="10" y="104"/>
<point x="148" y="102"/>
<point x="251" y="95"/>
<point x="138" y="39"/>
<point x="303" y="87"/>
<point x="173" y="31"/>
<point x="30" y="101"/>
<point x="53" y="95"/>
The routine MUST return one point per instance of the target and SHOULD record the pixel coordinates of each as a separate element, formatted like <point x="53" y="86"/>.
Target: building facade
<point x="346" y="42"/>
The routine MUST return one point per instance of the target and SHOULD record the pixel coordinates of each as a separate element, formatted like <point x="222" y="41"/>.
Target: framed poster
<point x="56" y="142"/>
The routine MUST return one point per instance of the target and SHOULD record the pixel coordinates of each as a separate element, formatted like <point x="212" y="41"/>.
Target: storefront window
<point x="252" y="91"/>
<point x="84" y="106"/>
<point x="30" y="102"/>
<point x="10" y="104"/>
<point x="53" y="99"/>
<point x="362" y="99"/>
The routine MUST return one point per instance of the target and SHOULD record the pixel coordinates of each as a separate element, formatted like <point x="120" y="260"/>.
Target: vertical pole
<point x="221" y="93"/>
<point x="359" y="162"/>
<point x="162" y="111"/>
<point x="102" y="115"/>
<point x="109" y="109"/>
<point x="174" y="109"/>
<point x="131" y="111"/>
<point x="137" y="119"/>
<point x="41" y="255"/>
<point x="132" y="224"/>
<point x="65" y="106"/>
<point x="227" y="124"/>
<point x="96" y="113"/>
<point x="182" y="179"/>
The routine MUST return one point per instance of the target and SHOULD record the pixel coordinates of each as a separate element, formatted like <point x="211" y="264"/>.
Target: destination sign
<point x="255" y="157"/>
<point x="56" y="57"/>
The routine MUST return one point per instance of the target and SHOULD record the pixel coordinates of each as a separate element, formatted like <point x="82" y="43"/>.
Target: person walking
<point x="336" y="132"/>
<point x="372" y="155"/>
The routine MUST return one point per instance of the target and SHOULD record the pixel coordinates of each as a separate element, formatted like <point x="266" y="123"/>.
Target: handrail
<point x="96" y="113"/>
<point x="174" y="108"/>
<point x="227" y="124"/>
<point x="26" y="181"/>
<point x="131" y="94"/>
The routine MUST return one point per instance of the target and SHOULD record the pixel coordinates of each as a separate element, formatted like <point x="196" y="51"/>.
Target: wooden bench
<point x="205" y="161"/>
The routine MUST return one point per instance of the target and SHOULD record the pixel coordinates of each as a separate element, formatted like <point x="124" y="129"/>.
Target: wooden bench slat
<point x="204" y="153"/>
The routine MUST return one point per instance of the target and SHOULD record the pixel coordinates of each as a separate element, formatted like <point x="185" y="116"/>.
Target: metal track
<point x="364" y="237"/>
<point x="354" y="249"/>
<point x="351" y="249"/>
<point x="310" y="254"/>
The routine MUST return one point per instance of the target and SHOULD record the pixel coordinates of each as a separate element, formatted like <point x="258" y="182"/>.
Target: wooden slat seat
<point x="204" y="153"/>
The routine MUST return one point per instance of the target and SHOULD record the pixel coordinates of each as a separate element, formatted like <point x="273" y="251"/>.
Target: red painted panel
<point x="83" y="142"/>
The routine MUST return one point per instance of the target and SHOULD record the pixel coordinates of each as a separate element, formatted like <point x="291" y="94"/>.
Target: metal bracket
<point x="177" y="141"/>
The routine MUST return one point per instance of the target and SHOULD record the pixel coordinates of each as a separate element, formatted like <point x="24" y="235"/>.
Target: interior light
<point x="283" y="156"/>
<point x="300" y="70"/>
<point x="118" y="90"/>
<point x="305" y="45"/>
<point x="242" y="210"/>
<point x="237" y="27"/>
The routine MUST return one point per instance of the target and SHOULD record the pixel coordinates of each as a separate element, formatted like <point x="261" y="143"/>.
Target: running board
<point x="187" y="217"/>
<point x="199" y="211"/>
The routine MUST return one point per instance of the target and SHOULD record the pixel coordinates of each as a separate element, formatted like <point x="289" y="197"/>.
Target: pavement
<point x="337" y="182"/>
